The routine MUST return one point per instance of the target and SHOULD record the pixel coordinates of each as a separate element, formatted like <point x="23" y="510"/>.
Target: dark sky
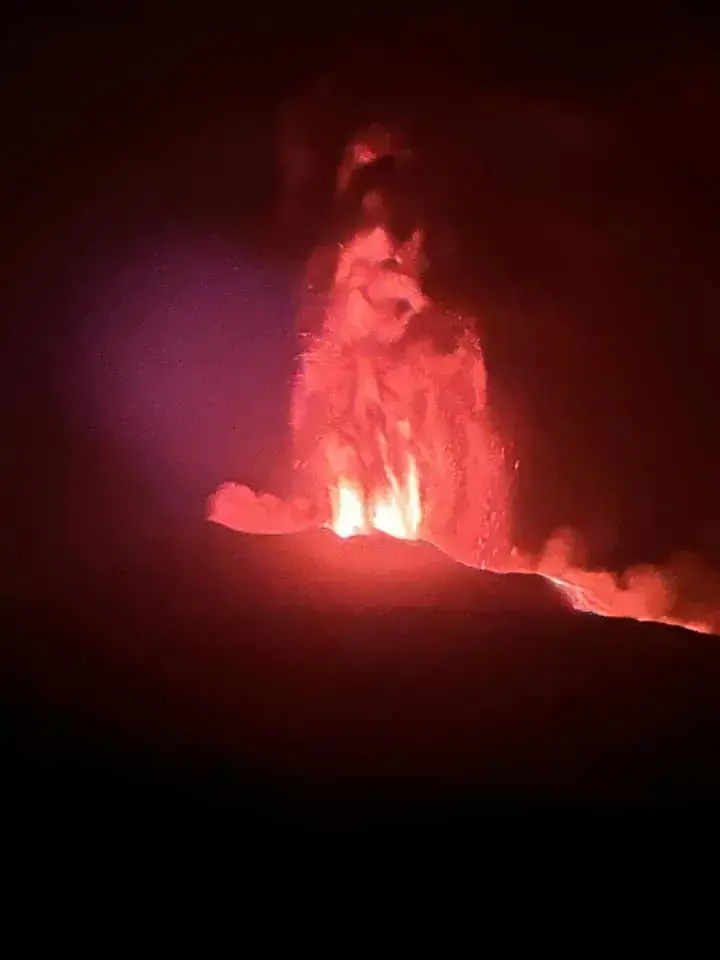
<point x="568" y="181"/>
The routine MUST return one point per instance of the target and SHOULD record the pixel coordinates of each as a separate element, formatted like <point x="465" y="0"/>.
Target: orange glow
<point x="394" y="509"/>
<point x="393" y="435"/>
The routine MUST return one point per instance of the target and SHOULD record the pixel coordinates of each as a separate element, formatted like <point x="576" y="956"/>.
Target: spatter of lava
<point x="393" y="432"/>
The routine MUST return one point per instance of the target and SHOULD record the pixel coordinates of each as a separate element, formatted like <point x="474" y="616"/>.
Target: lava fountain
<point x="393" y="433"/>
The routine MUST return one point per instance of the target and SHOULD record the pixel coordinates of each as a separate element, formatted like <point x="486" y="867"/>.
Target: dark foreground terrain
<point x="358" y="748"/>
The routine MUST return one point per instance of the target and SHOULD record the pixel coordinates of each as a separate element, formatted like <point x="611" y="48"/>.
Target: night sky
<point x="567" y="180"/>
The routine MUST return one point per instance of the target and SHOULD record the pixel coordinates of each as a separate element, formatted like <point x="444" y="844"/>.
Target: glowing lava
<point x="394" y="509"/>
<point x="393" y="434"/>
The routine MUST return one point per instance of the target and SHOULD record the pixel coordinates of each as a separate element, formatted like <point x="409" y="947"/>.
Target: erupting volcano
<point x="392" y="429"/>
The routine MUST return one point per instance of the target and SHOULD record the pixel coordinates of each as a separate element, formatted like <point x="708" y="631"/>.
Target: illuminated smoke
<point x="393" y="432"/>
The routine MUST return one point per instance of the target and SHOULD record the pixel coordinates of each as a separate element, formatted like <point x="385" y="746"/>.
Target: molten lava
<point x="393" y="433"/>
<point x="393" y="508"/>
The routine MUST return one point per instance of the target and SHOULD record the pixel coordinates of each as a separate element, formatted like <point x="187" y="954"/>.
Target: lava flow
<point x="393" y="434"/>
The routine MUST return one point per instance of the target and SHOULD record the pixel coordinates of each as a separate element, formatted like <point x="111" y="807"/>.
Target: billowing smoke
<point x="685" y="591"/>
<point x="391" y="422"/>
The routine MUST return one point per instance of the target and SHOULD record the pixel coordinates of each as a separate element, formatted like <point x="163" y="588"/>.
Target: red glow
<point x="395" y="436"/>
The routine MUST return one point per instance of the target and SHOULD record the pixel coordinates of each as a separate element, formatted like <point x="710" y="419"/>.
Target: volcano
<point x="394" y="434"/>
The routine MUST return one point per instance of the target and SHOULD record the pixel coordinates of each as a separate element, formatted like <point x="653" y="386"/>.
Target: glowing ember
<point x="393" y="434"/>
